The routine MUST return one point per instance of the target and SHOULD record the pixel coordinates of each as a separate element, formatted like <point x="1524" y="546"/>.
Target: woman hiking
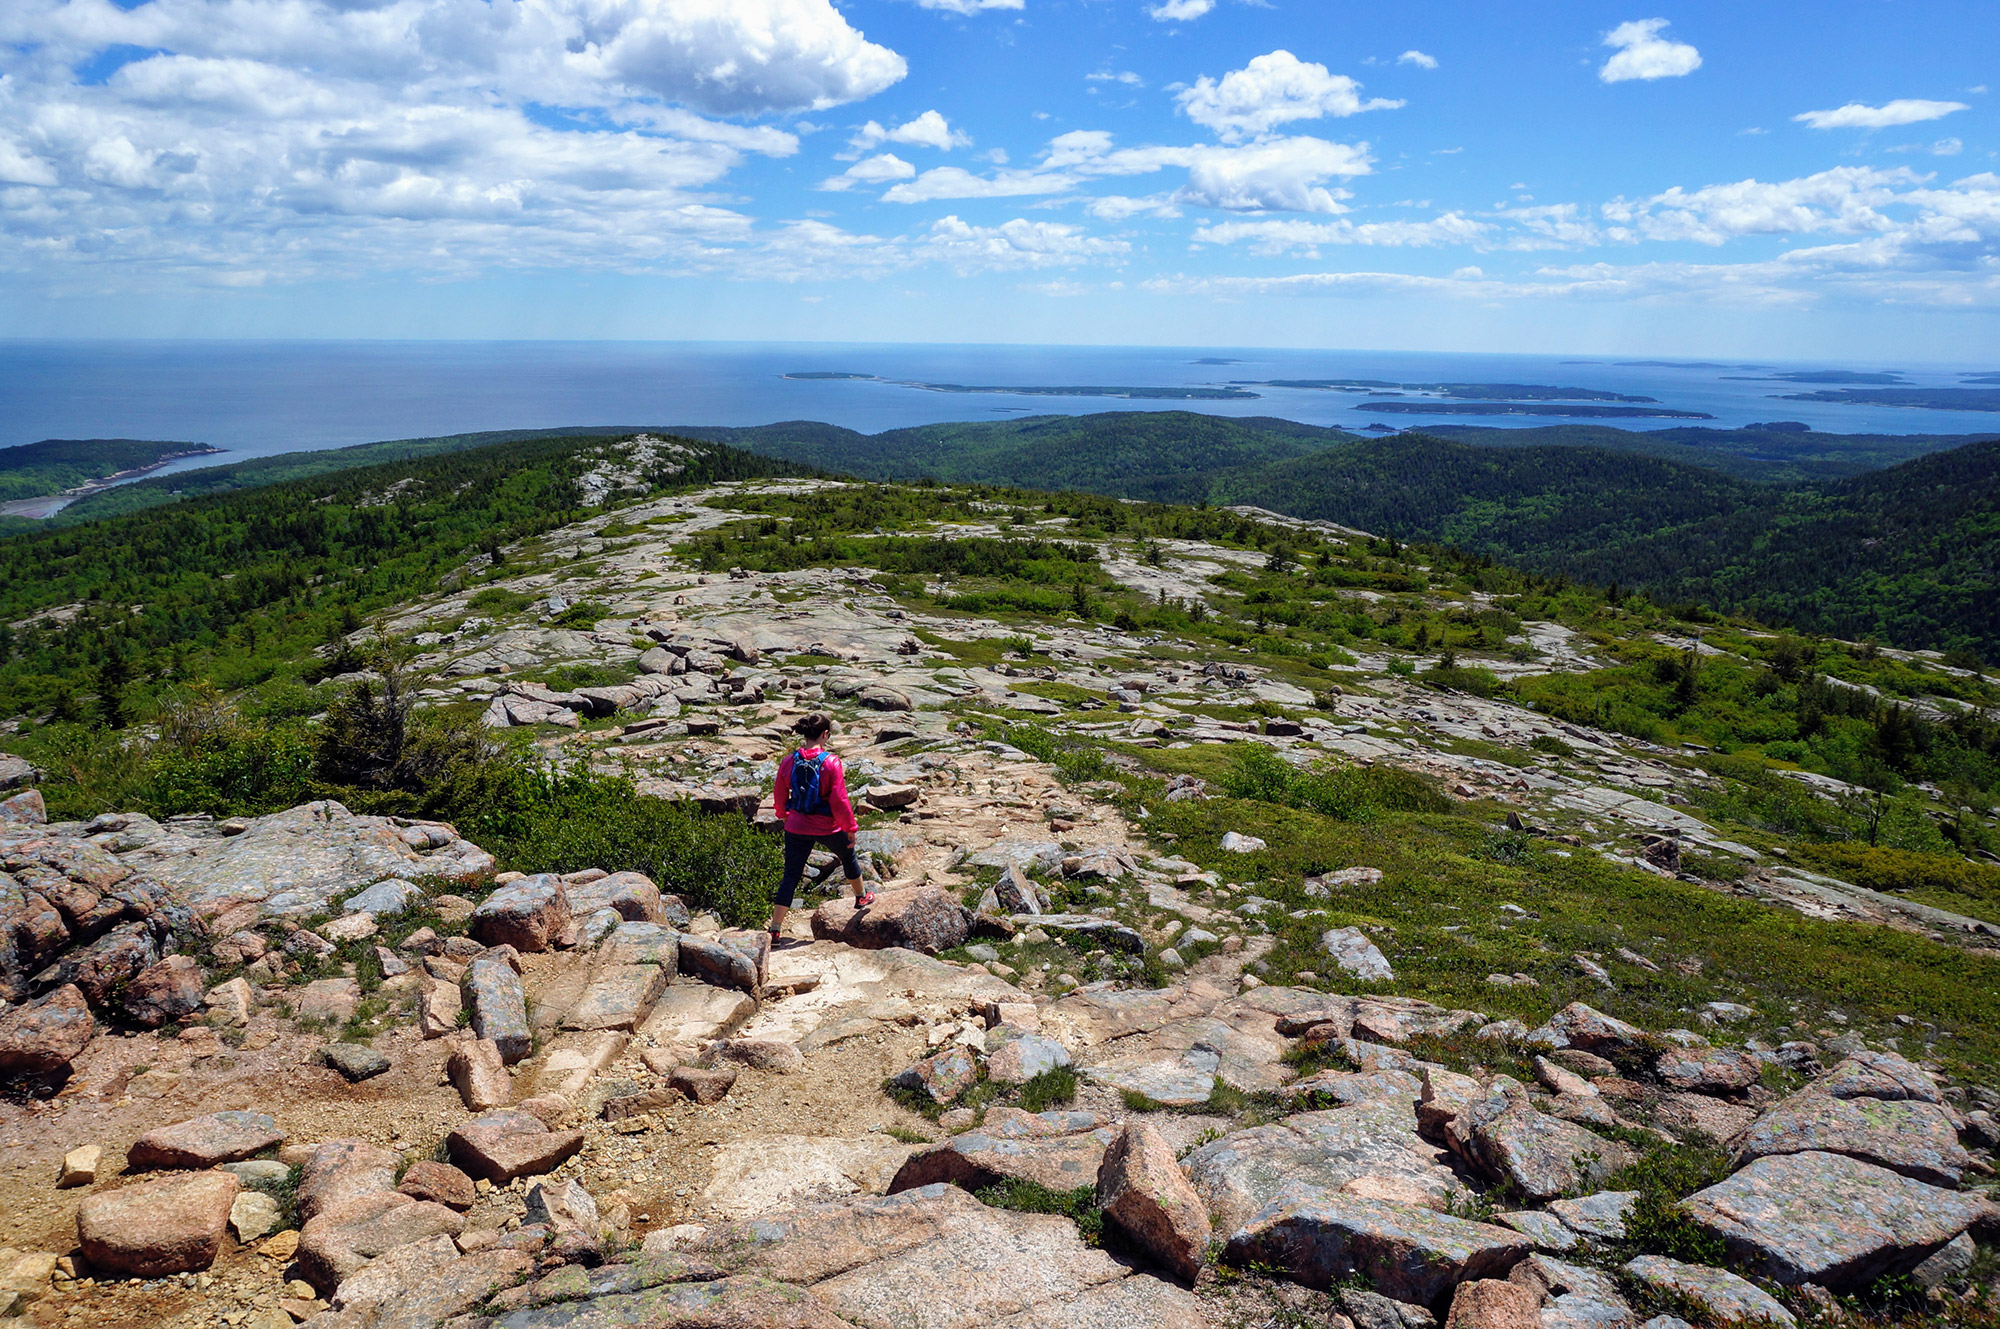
<point x="811" y="795"/>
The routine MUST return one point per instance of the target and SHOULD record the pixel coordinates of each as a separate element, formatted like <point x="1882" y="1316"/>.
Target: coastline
<point x="43" y="506"/>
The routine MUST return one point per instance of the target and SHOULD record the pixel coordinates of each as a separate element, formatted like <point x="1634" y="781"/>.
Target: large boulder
<point x="1540" y="1156"/>
<point x="296" y="863"/>
<point x="163" y="993"/>
<point x="1729" y="1299"/>
<point x="504" y="1145"/>
<point x="32" y="932"/>
<point x="1350" y="949"/>
<point x="1908" y="1135"/>
<point x="1409" y="1253"/>
<point x="919" y="918"/>
<point x="492" y="992"/>
<point x="1141" y="1188"/>
<point x="1832" y="1220"/>
<point x="620" y="996"/>
<point x="439" y="1183"/>
<point x="1370" y="1148"/>
<point x="41" y="1038"/>
<point x="478" y="1071"/>
<point x="980" y="1158"/>
<point x="528" y="914"/>
<point x="1488" y="1303"/>
<point x="423" y="1284"/>
<point x="338" y="1241"/>
<point x="1590" y="1030"/>
<point x="24" y="809"/>
<point x="171" y="1225"/>
<point x="720" y="965"/>
<point x="219" y="1137"/>
<point x="1707" y="1070"/>
<point x="337" y="1171"/>
<point x="632" y="894"/>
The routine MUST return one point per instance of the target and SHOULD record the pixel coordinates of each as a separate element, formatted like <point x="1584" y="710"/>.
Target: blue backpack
<point x="805" y="794"/>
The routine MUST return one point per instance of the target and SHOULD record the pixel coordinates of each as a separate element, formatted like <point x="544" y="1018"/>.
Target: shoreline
<point x="43" y="506"/>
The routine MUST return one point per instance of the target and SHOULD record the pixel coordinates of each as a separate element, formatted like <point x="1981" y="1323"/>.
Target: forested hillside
<point x="240" y="584"/>
<point x="56" y="464"/>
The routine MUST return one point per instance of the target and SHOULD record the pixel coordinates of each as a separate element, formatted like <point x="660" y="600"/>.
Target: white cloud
<point x="1119" y="207"/>
<point x="1291" y="236"/>
<point x="1846" y="200"/>
<point x="929" y="130"/>
<point x="266" y="143"/>
<point x="1947" y="147"/>
<point x="1272" y="90"/>
<point x="1417" y="58"/>
<point x="1903" y="111"/>
<point x="1125" y="76"/>
<point x="1283" y="174"/>
<point x="1180" y="11"/>
<point x="875" y="171"/>
<point x="1015" y="244"/>
<point x="968" y="6"/>
<point x="1644" y="54"/>
<point x="955" y="182"/>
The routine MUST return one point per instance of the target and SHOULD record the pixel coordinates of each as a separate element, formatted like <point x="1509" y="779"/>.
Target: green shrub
<point x="1664" y="1176"/>
<point x="566" y="821"/>
<point x="498" y="600"/>
<point x="1345" y="793"/>
<point x="1079" y="1205"/>
<point x="1053" y="1088"/>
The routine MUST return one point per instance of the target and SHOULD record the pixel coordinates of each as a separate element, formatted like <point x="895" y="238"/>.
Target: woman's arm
<point x="837" y="800"/>
<point x="781" y="789"/>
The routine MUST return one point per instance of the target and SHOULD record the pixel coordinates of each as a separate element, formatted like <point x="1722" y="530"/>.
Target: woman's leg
<point x="798" y="848"/>
<point x="851" y="863"/>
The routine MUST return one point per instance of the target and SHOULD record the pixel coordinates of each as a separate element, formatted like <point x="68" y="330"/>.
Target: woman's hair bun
<point x="813" y="724"/>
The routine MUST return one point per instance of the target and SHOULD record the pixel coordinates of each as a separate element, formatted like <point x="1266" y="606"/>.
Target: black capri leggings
<point x="798" y="848"/>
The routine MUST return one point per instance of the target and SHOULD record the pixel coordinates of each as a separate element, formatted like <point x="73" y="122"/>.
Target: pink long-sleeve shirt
<point x="832" y="782"/>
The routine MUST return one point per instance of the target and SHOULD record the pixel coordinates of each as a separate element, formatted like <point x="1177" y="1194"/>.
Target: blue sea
<point x="260" y="398"/>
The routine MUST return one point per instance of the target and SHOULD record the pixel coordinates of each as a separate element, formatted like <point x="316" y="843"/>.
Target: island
<point x="1440" y="406"/>
<point x="1930" y="399"/>
<point x="1819" y="376"/>
<point x="1465" y="391"/>
<point x="40" y="479"/>
<point x="1133" y="394"/>
<point x="817" y="374"/>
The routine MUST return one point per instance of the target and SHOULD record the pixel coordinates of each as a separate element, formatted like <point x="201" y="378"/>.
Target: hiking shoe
<point x="863" y="900"/>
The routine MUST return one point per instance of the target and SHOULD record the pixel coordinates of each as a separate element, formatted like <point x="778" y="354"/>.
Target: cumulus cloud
<point x="945" y="182"/>
<point x="875" y="171"/>
<point x="1016" y="244"/>
<point x="929" y="130"/>
<point x="1273" y="90"/>
<point x="1644" y="54"/>
<point x="1847" y="200"/>
<point x="1282" y="236"/>
<point x="258" y="143"/>
<point x="1417" y="58"/>
<point x="1903" y="111"/>
<point x="1180" y="11"/>
<point x="1278" y="174"/>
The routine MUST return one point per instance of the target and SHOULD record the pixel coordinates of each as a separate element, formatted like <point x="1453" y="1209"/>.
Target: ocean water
<point x="260" y="398"/>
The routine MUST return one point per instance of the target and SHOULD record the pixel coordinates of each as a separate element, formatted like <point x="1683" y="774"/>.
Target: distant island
<point x="1680" y="364"/>
<point x="1933" y="399"/>
<point x="1471" y="391"/>
<point x="1438" y="406"/>
<point x="1134" y="394"/>
<point x="1214" y="360"/>
<point x="1819" y="376"/>
<point x="1131" y="394"/>
<point x="40" y="479"/>
<point x="1982" y="378"/>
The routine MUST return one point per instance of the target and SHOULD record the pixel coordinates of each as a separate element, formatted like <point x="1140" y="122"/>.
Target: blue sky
<point x="1777" y="179"/>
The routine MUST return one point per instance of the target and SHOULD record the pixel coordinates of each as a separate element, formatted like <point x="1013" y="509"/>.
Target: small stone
<point x="1486" y="1303"/>
<point x="706" y="1087"/>
<point x="492" y="991"/>
<point x="479" y="1073"/>
<point x="764" y="1054"/>
<point x="1351" y="949"/>
<point x="163" y="993"/>
<point x="1022" y="1059"/>
<point x="79" y="1166"/>
<point x="440" y="1183"/>
<point x="356" y="1061"/>
<point x="527" y="914"/>
<point x="331" y="1000"/>
<point x="1237" y="843"/>
<point x="1600" y="1217"/>
<point x="504" y="1145"/>
<point x="942" y="1077"/>
<point x="252" y="1214"/>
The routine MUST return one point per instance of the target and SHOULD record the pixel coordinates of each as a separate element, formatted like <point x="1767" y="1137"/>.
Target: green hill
<point x="55" y="464"/>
